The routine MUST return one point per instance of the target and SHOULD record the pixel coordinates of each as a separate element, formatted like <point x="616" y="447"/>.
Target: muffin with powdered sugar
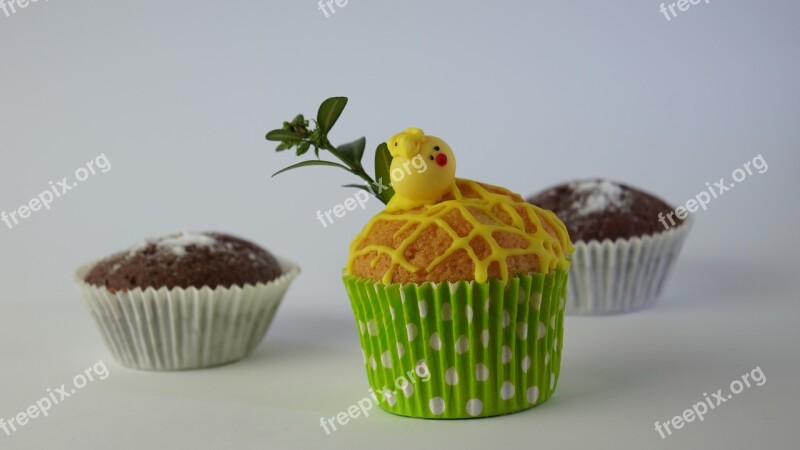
<point x="626" y="242"/>
<point x="185" y="301"/>
<point x="185" y="260"/>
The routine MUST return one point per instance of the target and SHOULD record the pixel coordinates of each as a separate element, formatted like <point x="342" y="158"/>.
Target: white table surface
<point x="619" y="375"/>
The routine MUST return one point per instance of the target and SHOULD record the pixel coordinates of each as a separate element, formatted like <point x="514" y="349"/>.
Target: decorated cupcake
<point x="457" y="287"/>
<point x="626" y="243"/>
<point x="186" y="301"/>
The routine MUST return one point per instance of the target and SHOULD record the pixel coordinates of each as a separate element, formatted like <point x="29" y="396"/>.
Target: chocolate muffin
<point x="186" y="260"/>
<point x="185" y="301"/>
<point x="626" y="243"/>
<point x="602" y="209"/>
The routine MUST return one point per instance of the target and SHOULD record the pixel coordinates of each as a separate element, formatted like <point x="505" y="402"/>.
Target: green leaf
<point x="383" y="161"/>
<point x="353" y="151"/>
<point x="282" y="146"/>
<point x="281" y="135"/>
<point x="329" y="112"/>
<point x="313" y="162"/>
<point x="302" y="148"/>
<point x="359" y="186"/>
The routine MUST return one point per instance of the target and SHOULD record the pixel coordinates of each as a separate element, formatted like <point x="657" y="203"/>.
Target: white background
<point x="178" y="96"/>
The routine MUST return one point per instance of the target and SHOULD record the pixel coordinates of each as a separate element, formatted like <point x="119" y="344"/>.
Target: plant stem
<point x="358" y="171"/>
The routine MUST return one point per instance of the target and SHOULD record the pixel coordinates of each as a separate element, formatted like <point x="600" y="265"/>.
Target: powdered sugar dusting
<point x="138" y="248"/>
<point x="177" y="244"/>
<point x="601" y="195"/>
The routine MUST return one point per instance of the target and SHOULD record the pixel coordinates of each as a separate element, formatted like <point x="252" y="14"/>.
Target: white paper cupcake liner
<point x="624" y="275"/>
<point x="180" y="329"/>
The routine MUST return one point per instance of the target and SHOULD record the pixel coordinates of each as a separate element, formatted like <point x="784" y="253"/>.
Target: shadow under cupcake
<point x="626" y="243"/>
<point x="186" y="301"/>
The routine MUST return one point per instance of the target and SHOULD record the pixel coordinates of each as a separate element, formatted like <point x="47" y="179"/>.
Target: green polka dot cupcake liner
<point x="461" y="350"/>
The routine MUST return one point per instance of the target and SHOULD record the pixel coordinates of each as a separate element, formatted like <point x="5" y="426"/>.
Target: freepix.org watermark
<point x="415" y="165"/>
<point x="45" y="198"/>
<point x="700" y="409"/>
<point x="9" y="7"/>
<point x="716" y="190"/>
<point x="56" y="396"/>
<point x="326" y="6"/>
<point x="680" y="5"/>
<point x="404" y="383"/>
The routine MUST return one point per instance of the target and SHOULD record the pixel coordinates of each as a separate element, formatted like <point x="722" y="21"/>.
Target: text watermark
<point x="404" y="383"/>
<point x="42" y="407"/>
<point x="9" y="7"/>
<point x="415" y="165"/>
<point x="56" y="190"/>
<point x="703" y="198"/>
<point x="326" y="6"/>
<point x="700" y="409"/>
<point x="680" y="5"/>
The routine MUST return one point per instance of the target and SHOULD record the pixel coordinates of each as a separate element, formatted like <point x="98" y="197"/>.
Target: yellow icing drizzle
<point x="552" y="252"/>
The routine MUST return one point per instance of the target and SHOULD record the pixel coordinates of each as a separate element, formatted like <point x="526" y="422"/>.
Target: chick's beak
<point x="441" y="159"/>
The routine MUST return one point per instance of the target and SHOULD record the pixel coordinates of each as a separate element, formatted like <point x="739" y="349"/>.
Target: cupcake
<point x="457" y="287"/>
<point x="185" y="301"/>
<point x="626" y="242"/>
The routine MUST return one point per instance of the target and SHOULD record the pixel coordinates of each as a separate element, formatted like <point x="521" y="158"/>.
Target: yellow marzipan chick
<point x="423" y="169"/>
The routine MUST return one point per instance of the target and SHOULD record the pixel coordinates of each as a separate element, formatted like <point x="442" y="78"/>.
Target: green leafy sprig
<point x="297" y="134"/>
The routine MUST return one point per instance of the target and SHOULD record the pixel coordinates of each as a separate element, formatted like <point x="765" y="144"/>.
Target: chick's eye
<point x="436" y="148"/>
<point x="431" y="157"/>
<point x="395" y="144"/>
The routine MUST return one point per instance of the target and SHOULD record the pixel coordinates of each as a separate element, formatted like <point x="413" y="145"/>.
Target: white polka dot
<point x="361" y="326"/>
<point x="389" y="396"/>
<point x="546" y="358"/>
<point x="481" y="372"/>
<point x="522" y="295"/>
<point x="507" y="390"/>
<point x="373" y="363"/>
<point x="552" y="381"/>
<point x="468" y="311"/>
<point x="451" y="376"/>
<point x="391" y="311"/>
<point x="436" y="405"/>
<point x="423" y="308"/>
<point x="411" y="330"/>
<point x="485" y="338"/>
<point x="401" y="382"/>
<point x="435" y="342"/>
<point x="453" y="289"/>
<point x="562" y="303"/>
<point x="364" y="355"/>
<point x="446" y="311"/>
<point x="372" y="327"/>
<point x="522" y="330"/>
<point x="533" y="394"/>
<point x="536" y="301"/>
<point x="408" y="389"/>
<point x="462" y="345"/>
<point x="400" y="350"/>
<point x="555" y="344"/>
<point x="488" y="304"/>
<point x="506" y="354"/>
<point x="553" y="322"/>
<point x="386" y="359"/>
<point x="421" y="368"/>
<point x="526" y="363"/>
<point x="506" y="319"/>
<point x="474" y="407"/>
<point x="542" y="331"/>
